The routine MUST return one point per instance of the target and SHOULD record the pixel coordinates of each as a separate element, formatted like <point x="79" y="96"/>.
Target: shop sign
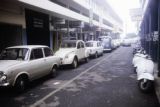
<point x="155" y="36"/>
<point x="38" y="23"/>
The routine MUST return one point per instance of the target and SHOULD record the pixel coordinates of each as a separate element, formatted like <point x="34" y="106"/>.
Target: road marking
<point x="56" y="83"/>
<point x="41" y="101"/>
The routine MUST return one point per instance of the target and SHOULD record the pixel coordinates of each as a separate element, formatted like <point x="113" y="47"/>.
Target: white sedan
<point x="72" y="51"/>
<point x="94" y="48"/>
<point x="21" y="64"/>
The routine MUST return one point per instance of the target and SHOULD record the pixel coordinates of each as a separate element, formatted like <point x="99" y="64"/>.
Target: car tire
<point x="21" y="84"/>
<point x="135" y="69"/>
<point x="54" y="71"/>
<point x="75" y="63"/>
<point x="96" y="55"/>
<point x="102" y="54"/>
<point x="86" y="59"/>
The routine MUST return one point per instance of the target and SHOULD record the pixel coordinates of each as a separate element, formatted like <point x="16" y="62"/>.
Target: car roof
<point x="73" y="40"/>
<point x="28" y="46"/>
<point x="92" y="41"/>
<point x="105" y="37"/>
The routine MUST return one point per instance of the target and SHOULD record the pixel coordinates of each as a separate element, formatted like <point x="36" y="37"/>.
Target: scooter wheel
<point x="145" y="86"/>
<point x="135" y="69"/>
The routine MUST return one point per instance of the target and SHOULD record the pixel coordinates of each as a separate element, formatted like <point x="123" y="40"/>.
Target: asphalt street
<point x="108" y="81"/>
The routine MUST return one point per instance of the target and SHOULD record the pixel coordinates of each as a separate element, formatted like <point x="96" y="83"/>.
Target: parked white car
<point x="21" y="64"/>
<point x="95" y="48"/>
<point x="72" y="51"/>
<point x="116" y="43"/>
<point x="107" y="43"/>
<point x="126" y="42"/>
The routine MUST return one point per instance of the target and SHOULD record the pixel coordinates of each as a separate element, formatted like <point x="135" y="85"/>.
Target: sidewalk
<point x="157" y="82"/>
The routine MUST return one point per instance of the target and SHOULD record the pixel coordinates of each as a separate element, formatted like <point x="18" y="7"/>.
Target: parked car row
<point x="126" y="42"/>
<point x="72" y="51"/>
<point x="21" y="64"/>
<point x="108" y="43"/>
<point x="94" y="48"/>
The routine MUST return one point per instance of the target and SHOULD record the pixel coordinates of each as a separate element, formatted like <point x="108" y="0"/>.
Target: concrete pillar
<point x="68" y="34"/>
<point x="81" y="33"/>
<point x="24" y="36"/>
<point x="51" y="39"/>
<point x="145" y="30"/>
<point x="57" y="39"/>
<point x="149" y="31"/>
<point x="159" y="38"/>
<point x="154" y="27"/>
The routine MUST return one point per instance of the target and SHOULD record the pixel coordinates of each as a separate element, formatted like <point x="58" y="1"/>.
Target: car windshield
<point x="102" y="38"/>
<point x="14" y="54"/>
<point x="89" y="44"/>
<point x="68" y="45"/>
<point x="107" y="40"/>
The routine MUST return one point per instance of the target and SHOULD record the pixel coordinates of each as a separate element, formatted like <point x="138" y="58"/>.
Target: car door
<point x="78" y="51"/>
<point x="96" y="47"/>
<point x="82" y="50"/>
<point x="50" y="60"/>
<point x="36" y="63"/>
<point x="99" y="48"/>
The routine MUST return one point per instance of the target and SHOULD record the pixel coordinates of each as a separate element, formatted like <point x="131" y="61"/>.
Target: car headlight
<point x="66" y="56"/>
<point x="3" y="77"/>
<point x="1" y="74"/>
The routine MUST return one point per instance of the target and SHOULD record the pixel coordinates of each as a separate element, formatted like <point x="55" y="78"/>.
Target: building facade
<point x="150" y="28"/>
<point x="48" y="22"/>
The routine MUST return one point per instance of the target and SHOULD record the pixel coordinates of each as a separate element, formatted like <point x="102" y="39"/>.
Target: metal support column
<point x="24" y="36"/>
<point x="149" y="31"/>
<point x="159" y="38"/>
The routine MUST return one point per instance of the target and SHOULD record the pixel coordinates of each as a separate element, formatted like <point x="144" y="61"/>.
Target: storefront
<point x="10" y="35"/>
<point x="37" y="28"/>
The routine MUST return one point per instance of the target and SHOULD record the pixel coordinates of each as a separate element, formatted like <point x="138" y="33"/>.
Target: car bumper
<point x="66" y="61"/>
<point x="4" y="84"/>
<point x="109" y="49"/>
<point x="91" y="54"/>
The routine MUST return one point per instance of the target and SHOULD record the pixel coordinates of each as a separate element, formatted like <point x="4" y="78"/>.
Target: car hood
<point x="6" y="64"/>
<point x="62" y="52"/>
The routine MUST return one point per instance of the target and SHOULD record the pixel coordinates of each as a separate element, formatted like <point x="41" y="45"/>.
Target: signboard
<point x="38" y="23"/>
<point x="155" y="36"/>
<point x="76" y="24"/>
<point x="136" y="14"/>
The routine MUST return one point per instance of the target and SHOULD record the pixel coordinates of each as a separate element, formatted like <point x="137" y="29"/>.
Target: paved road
<point x="108" y="81"/>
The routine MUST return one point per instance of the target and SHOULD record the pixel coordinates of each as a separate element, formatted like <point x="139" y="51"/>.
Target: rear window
<point x="36" y="54"/>
<point x="89" y="44"/>
<point x="48" y="52"/>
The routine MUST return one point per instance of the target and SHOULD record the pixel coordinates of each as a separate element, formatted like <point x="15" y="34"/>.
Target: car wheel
<point x="135" y="69"/>
<point x="102" y="54"/>
<point x="20" y="84"/>
<point x="54" y="72"/>
<point x="86" y="59"/>
<point x="145" y="86"/>
<point x="96" y="55"/>
<point x="75" y="63"/>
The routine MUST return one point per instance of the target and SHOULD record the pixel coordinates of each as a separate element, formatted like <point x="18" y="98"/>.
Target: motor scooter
<point x="140" y="55"/>
<point x="145" y="74"/>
